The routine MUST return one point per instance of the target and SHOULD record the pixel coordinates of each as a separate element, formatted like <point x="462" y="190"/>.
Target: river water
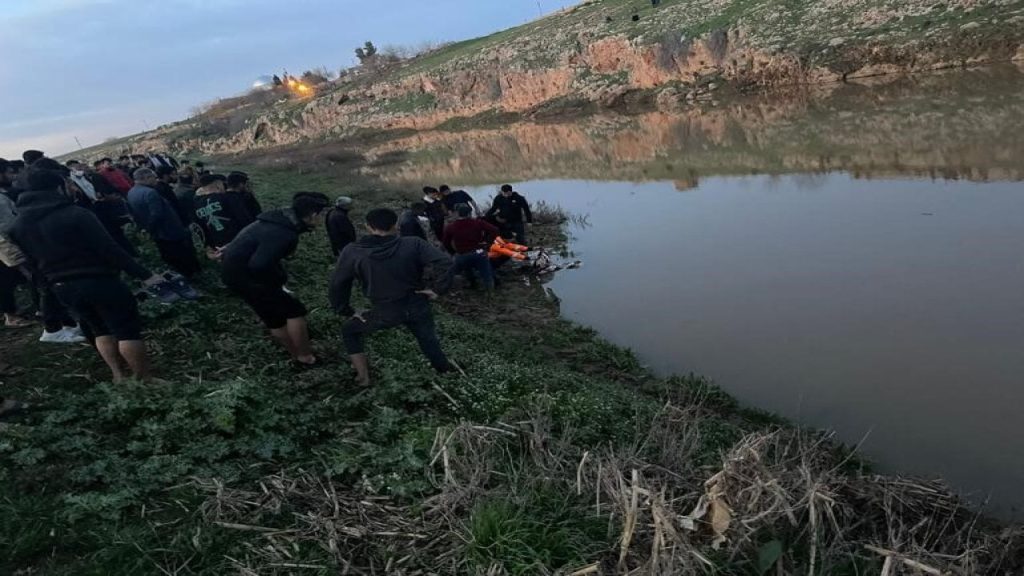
<point x="851" y="259"/>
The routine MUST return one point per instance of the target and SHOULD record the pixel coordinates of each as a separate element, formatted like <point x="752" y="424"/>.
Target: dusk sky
<point x="98" y="69"/>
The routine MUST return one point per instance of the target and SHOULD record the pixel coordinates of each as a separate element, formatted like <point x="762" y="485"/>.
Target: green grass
<point x="408" y="103"/>
<point x="97" y="479"/>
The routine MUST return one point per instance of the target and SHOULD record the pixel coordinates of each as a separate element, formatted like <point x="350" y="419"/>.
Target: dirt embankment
<point x="611" y="54"/>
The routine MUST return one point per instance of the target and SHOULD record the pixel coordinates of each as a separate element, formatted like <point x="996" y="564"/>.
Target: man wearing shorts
<point x="253" y="270"/>
<point x="80" y="261"/>
<point x="391" y="271"/>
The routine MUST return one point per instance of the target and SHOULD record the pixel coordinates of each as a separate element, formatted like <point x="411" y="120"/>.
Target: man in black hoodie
<point x="253" y="270"/>
<point x="238" y="183"/>
<point x="79" y="260"/>
<point x="511" y="212"/>
<point x="221" y="215"/>
<point x="390" y="270"/>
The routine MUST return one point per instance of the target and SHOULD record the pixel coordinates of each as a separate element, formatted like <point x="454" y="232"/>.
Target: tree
<point x="367" y="54"/>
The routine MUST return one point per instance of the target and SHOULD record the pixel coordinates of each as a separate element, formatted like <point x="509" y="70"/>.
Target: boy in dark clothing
<point x="167" y="179"/>
<point x="253" y="270"/>
<point x="409" y="223"/>
<point x="436" y="211"/>
<point x="512" y="212"/>
<point x="469" y="239"/>
<point x="220" y="214"/>
<point x="75" y="256"/>
<point x="453" y="199"/>
<point x="185" y="192"/>
<point x="390" y="270"/>
<point x="339" y="227"/>
<point x="238" y="183"/>
<point x="157" y="216"/>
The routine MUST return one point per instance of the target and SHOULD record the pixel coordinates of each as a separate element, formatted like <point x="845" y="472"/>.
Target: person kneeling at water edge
<point x="390" y="270"/>
<point x="468" y="239"/>
<point x="253" y="270"/>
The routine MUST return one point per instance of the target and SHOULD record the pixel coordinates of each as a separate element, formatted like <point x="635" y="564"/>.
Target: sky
<point x="98" y="69"/>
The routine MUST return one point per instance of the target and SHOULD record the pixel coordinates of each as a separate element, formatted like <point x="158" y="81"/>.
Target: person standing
<point x="10" y="276"/>
<point x="512" y="213"/>
<point x="452" y="199"/>
<point x="108" y="205"/>
<point x="436" y="211"/>
<point x="409" y="224"/>
<point x="253" y="270"/>
<point x="238" y="183"/>
<point x="185" y="193"/>
<point x="167" y="179"/>
<point x="118" y="179"/>
<point x="468" y="239"/>
<point x="80" y="262"/>
<point x="158" y="217"/>
<point x="220" y="214"/>
<point x="339" y="227"/>
<point x="390" y="270"/>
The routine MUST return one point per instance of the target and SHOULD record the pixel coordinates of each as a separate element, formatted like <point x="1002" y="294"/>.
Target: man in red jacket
<point x="468" y="239"/>
<point x="115" y="177"/>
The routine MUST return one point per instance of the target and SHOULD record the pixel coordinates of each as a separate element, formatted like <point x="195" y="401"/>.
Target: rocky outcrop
<point x="596" y="53"/>
<point x="890" y="130"/>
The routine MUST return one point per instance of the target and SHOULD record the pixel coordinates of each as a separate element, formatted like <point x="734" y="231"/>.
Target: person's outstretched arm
<point x="490" y="231"/>
<point x="440" y="263"/>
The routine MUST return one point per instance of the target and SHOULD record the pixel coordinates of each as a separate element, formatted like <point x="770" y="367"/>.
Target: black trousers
<point x="180" y="256"/>
<point x="10" y="279"/>
<point x="414" y="313"/>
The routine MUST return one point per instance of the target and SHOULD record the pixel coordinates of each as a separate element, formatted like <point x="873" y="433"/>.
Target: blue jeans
<point x="471" y="262"/>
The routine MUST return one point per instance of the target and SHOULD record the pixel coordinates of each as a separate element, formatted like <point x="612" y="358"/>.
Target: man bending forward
<point x="390" y="270"/>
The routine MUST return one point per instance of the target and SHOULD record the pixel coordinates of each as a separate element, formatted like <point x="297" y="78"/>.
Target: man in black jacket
<point x="436" y="210"/>
<point x="220" y="214"/>
<point x="166" y="180"/>
<point x="76" y="257"/>
<point x="253" y="270"/>
<point x="238" y="183"/>
<point x="511" y="212"/>
<point x="390" y="270"/>
<point x="339" y="227"/>
<point x="409" y="223"/>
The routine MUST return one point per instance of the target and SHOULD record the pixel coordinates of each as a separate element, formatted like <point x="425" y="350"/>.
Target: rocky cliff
<point x="623" y="53"/>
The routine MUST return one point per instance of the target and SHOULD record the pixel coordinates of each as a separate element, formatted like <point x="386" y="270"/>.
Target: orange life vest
<point x="502" y="248"/>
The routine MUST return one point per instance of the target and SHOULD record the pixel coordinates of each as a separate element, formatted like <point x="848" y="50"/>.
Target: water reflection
<point x="964" y="125"/>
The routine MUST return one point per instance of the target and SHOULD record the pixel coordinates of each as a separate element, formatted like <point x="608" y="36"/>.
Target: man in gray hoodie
<point x="391" y="271"/>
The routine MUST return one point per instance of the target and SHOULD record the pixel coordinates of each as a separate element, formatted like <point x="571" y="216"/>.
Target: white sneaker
<point x="62" y="336"/>
<point x="75" y="331"/>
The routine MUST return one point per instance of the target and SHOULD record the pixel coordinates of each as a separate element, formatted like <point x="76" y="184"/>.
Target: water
<point x="871" y="283"/>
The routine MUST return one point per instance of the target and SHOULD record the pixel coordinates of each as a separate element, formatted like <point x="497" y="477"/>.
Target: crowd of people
<point x="63" y="240"/>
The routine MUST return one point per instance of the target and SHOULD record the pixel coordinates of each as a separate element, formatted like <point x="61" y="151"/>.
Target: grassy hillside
<point x="555" y="453"/>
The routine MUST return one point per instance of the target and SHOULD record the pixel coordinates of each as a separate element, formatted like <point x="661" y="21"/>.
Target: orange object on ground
<point x="505" y="249"/>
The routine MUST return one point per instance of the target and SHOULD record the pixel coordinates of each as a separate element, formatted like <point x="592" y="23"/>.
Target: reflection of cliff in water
<point x="964" y="125"/>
